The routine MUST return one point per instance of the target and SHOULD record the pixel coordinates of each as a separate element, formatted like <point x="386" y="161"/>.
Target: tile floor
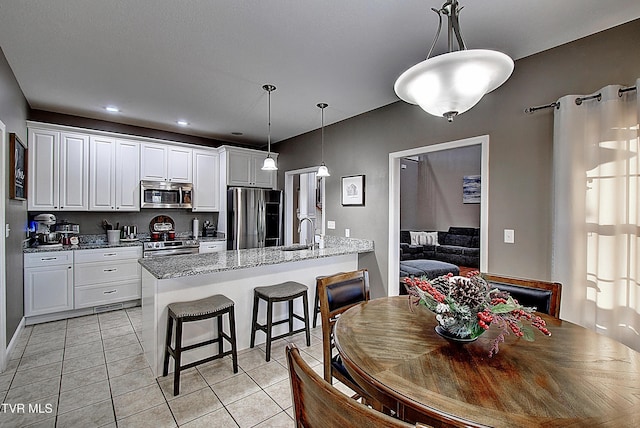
<point x="90" y="372"/>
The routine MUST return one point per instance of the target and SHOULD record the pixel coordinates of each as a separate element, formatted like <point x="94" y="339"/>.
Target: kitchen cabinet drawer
<point x="108" y="254"/>
<point x="213" y="246"/>
<point x="95" y="273"/>
<point x="49" y="258"/>
<point x="95" y="295"/>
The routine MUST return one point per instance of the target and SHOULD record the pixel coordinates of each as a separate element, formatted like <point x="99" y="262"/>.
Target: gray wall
<point x="520" y="153"/>
<point x="431" y="190"/>
<point x="13" y="112"/>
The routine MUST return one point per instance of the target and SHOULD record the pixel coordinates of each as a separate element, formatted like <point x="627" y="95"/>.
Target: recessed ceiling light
<point x="112" y="109"/>
<point x="182" y="122"/>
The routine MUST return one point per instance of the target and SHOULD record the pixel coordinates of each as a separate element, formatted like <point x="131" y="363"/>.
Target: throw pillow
<point x="431" y="238"/>
<point x="415" y="236"/>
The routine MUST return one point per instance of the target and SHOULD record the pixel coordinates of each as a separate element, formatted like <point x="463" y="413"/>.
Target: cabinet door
<point x="102" y="177"/>
<point x="127" y="175"/>
<point x="239" y="167"/>
<point x="262" y="178"/>
<point x="74" y="172"/>
<point x="44" y="146"/>
<point x="179" y="164"/>
<point x="48" y="289"/>
<point x="153" y="162"/>
<point x="206" y="181"/>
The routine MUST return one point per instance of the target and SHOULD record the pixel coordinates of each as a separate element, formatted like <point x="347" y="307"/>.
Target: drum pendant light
<point x="450" y="84"/>
<point x="269" y="163"/>
<point x="323" y="171"/>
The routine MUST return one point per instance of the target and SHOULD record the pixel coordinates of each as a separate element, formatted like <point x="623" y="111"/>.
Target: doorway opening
<point x="395" y="201"/>
<point x="3" y="259"/>
<point x="304" y="198"/>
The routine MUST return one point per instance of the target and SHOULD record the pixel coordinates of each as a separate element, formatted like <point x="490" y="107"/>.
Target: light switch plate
<point x="347" y="233"/>
<point x="331" y="224"/>
<point x="509" y="237"/>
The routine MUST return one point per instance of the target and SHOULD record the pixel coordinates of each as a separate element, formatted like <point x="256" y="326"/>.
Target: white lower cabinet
<point x="105" y="276"/>
<point x="212" y="246"/>
<point x="48" y="282"/>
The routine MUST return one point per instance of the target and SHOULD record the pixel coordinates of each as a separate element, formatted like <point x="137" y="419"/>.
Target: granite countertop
<point x="201" y="264"/>
<point x="90" y="242"/>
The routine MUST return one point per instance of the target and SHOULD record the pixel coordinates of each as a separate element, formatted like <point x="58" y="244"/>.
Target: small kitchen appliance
<point x="44" y="235"/>
<point x="67" y="231"/>
<point x="165" y="194"/>
<point x="208" y="229"/>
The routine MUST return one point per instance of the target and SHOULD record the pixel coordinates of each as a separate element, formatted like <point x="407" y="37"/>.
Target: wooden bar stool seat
<point x="210" y="307"/>
<point x="284" y="292"/>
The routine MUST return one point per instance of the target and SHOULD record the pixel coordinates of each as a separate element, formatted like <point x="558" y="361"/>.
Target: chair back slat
<point x="318" y="404"/>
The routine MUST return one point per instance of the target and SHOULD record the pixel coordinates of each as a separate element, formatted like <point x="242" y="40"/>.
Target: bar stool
<point x="210" y="307"/>
<point x="285" y="292"/>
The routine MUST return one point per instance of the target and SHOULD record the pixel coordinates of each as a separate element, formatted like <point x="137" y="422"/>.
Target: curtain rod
<point x="578" y="100"/>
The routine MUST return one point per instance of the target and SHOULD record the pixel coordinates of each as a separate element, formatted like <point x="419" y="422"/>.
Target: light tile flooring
<point x="90" y="372"/>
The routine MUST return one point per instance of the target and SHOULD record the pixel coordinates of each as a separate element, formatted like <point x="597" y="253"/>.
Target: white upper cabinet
<point x="115" y="175"/>
<point x="244" y="168"/>
<point x="206" y="181"/>
<point x="58" y="171"/>
<point x="162" y="162"/>
<point x="127" y="175"/>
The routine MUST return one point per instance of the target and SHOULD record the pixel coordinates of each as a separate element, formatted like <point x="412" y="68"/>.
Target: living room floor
<point x="90" y="371"/>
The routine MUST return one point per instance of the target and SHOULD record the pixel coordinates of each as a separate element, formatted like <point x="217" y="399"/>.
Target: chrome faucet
<point x="312" y="227"/>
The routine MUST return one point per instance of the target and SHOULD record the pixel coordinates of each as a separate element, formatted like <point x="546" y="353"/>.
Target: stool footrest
<point x="206" y="360"/>
<point x="300" y="330"/>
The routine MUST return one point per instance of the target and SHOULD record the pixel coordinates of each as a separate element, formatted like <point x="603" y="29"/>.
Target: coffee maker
<point x="43" y="234"/>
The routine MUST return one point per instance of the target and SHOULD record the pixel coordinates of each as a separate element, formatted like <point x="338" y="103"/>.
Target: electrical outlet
<point x="347" y="233"/>
<point x="509" y="237"/>
<point x="331" y="224"/>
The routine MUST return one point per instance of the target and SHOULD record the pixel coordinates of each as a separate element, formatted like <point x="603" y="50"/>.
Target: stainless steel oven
<point x="165" y="194"/>
<point x="170" y="248"/>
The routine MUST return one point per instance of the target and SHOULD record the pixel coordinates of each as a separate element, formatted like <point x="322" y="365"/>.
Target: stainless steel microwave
<point x="165" y="194"/>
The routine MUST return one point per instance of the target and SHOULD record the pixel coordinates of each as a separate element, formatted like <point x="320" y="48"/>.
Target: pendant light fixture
<point x="323" y="171"/>
<point x="450" y="84"/>
<point x="269" y="163"/>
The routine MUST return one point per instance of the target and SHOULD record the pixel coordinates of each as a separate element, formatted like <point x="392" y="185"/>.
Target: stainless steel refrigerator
<point x="254" y="218"/>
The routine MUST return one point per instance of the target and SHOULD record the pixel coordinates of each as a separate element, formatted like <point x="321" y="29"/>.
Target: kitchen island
<point x="235" y="274"/>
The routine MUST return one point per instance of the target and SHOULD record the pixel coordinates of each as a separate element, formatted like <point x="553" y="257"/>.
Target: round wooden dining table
<point x="573" y="378"/>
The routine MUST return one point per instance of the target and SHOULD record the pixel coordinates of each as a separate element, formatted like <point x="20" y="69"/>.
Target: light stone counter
<point x="235" y="274"/>
<point x="199" y="264"/>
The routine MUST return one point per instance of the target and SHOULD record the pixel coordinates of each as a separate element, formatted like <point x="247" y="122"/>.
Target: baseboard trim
<point x="14" y="340"/>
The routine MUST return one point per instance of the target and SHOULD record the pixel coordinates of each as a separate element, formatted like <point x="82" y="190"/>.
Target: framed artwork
<point x="353" y="190"/>
<point x="17" y="168"/>
<point x="471" y="189"/>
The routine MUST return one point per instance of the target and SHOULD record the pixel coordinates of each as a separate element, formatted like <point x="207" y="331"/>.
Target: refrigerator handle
<point x="261" y="221"/>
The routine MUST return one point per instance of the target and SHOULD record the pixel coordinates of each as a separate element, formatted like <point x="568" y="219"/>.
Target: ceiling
<point x="205" y="61"/>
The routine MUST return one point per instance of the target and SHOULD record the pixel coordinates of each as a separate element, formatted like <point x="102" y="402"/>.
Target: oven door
<point x="171" y="252"/>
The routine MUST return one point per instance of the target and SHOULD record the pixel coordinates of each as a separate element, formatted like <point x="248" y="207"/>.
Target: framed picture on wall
<point x="17" y="168"/>
<point x="471" y="189"/>
<point x="353" y="190"/>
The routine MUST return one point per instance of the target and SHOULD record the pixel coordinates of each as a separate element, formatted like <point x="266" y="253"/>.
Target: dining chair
<point x="316" y="403"/>
<point x="338" y="293"/>
<point x="544" y="295"/>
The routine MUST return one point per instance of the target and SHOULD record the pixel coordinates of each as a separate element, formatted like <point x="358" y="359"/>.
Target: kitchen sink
<point x="295" y="247"/>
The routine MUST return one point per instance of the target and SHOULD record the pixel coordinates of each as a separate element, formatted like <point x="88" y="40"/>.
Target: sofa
<point x="459" y="246"/>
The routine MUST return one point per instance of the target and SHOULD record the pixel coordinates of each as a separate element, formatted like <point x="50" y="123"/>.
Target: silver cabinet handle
<point x="110" y="270"/>
<point x="44" y="259"/>
<point x="110" y="292"/>
<point x="110" y="254"/>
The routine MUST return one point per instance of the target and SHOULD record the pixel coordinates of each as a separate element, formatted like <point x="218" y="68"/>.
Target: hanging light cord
<point x="322" y="106"/>
<point x="269" y="89"/>
<point x="269" y="127"/>
<point x="322" y="137"/>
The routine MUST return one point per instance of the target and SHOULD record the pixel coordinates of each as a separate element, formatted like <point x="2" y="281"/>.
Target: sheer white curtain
<point x="596" y="236"/>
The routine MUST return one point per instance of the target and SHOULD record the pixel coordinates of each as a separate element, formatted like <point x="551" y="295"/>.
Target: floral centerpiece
<point x="465" y="307"/>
